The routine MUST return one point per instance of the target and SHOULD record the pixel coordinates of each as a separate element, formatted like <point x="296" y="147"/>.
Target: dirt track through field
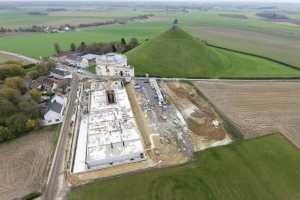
<point x="23" y="164"/>
<point x="258" y="107"/>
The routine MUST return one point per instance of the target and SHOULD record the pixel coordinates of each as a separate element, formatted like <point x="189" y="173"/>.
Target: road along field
<point x="5" y="57"/>
<point x="244" y="170"/>
<point x="206" y="127"/>
<point x="24" y="163"/>
<point x="258" y="107"/>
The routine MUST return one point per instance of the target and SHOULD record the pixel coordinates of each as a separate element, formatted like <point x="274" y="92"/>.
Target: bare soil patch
<point x="258" y="107"/>
<point x="24" y="163"/>
<point x="198" y="115"/>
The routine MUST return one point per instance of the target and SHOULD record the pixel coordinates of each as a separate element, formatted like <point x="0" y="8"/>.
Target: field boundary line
<point x="253" y="54"/>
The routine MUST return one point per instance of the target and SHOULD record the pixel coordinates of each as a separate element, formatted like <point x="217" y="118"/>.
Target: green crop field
<point x="266" y="168"/>
<point x="175" y="53"/>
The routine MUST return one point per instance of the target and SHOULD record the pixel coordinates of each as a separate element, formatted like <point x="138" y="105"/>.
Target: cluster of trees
<point x="116" y="21"/>
<point x="11" y="69"/>
<point x="101" y="47"/>
<point x="19" y="107"/>
<point x="56" y="9"/>
<point x="40" y="69"/>
<point x="272" y="15"/>
<point x="23" y="29"/>
<point x="37" y="13"/>
<point x="36" y="28"/>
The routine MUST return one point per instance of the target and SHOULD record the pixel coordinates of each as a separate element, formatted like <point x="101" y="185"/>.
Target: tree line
<point x="44" y="28"/>
<point x="13" y="68"/>
<point x="101" y="47"/>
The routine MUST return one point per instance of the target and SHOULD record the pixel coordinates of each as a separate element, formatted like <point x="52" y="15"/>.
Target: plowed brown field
<point x="23" y="164"/>
<point x="258" y="107"/>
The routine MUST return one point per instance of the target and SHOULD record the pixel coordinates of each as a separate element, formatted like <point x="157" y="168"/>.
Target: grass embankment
<point x="266" y="168"/>
<point x="175" y="53"/>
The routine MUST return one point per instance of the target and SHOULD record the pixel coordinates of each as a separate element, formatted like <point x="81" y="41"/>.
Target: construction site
<point x="108" y="134"/>
<point x="127" y="124"/>
<point x="125" y="128"/>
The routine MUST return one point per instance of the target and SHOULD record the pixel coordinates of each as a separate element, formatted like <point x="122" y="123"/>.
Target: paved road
<point x="215" y="79"/>
<point x="56" y="187"/>
<point x="22" y="57"/>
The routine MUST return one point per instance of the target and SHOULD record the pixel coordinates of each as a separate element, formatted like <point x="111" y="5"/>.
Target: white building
<point x="60" y="73"/>
<point x="114" y="65"/>
<point x="108" y="134"/>
<point x="84" y="63"/>
<point x="77" y="62"/>
<point x="54" y="114"/>
<point x="90" y="57"/>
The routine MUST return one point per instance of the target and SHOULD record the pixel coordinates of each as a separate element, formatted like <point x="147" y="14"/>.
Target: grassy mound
<point x="266" y="168"/>
<point x="175" y="53"/>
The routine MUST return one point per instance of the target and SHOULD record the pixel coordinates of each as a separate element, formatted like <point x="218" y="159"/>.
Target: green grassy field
<point x="41" y="44"/>
<point x="276" y="47"/>
<point x="253" y="23"/>
<point x="175" y="53"/>
<point x="278" y="41"/>
<point x="266" y="168"/>
<point x="14" y="18"/>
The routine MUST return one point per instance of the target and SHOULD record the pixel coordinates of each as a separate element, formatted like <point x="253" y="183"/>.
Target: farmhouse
<point x="108" y="134"/>
<point x="114" y="65"/>
<point x="54" y="114"/>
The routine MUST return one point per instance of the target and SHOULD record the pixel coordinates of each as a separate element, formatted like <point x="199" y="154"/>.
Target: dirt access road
<point x="257" y="107"/>
<point x="14" y="56"/>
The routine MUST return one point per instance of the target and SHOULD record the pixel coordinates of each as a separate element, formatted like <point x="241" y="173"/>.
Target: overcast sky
<point x="264" y="1"/>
